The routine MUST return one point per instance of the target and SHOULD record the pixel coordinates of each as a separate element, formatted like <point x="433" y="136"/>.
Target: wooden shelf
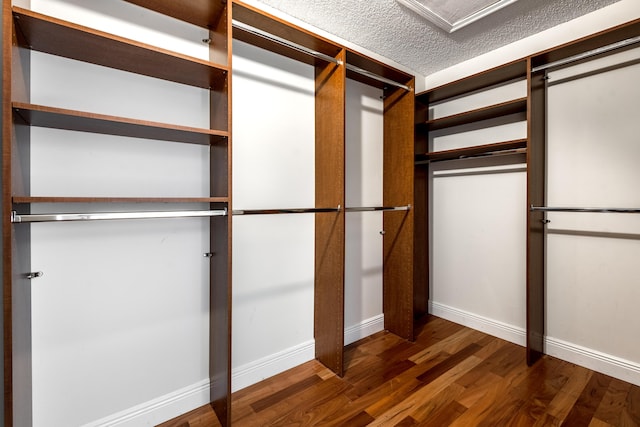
<point x="57" y="37"/>
<point x="476" y="150"/>
<point x="203" y="13"/>
<point x="59" y="118"/>
<point x="495" y="76"/>
<point x="485" y="113"/>
<point x="65" y="199"/>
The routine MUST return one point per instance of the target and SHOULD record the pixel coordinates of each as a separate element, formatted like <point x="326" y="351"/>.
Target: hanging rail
<point x="265" y="35"/>
<point x="256" y="32"/>
<point x="98" y="216"/>
<point x="283" y="211"/>
<point x="378" y="208"/>
<point x="588" y="210"/>
<point x="474" y="156"/>
<point x="588" y="54"/>
<point x="376" y="77"/>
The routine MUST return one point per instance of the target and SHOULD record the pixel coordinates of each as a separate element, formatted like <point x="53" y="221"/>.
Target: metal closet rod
<point x="283" y="211"/>
<point x="98" y="216"/>
<point x="588" y="54"/>
<point x="378" y="208"/>
<point x="592" y="210"/>
<point x="316" y="54"/>
<point x="284" y="42"/>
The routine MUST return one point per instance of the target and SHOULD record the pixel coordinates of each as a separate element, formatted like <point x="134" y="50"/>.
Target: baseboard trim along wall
<point x="159" y="410"/>
<point x="363" y="329"/>
<point x="601" y="362"/>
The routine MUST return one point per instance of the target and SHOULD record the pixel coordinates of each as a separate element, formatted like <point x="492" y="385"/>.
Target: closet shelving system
<point x="532" y="69"/>
<point x="25" y="30"/>
<point x="333" y="64"/>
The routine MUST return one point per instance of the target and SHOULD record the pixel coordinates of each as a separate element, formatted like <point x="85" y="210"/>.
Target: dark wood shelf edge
<point x="60" y="118"/>
<point x="494" y="76"/>
<point x="201" y="13"/>
<point x="493" y="111"/>
<point x="62" y="38"/>
<point x="476" y="150"/>
<point x="64" y="199"/>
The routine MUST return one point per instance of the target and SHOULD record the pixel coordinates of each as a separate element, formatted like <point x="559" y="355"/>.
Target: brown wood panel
<point x="485" y="113"/>
<point x="256" y="18"/>
<point x="58" y="37"/>
<point x="59" y="118"/>
<point x="593" y="41"/>
<point x="220" y="316"/>
<point x="476" y="150"/>
<point x="203" y="13"/>
<point x="398" y="188"/>
<point x="376" y="67"/>
<point x="330" y="82"/>
<point x="494" y="76"/>
<point x="536" y="160"/>
<point x="421" y="217"/>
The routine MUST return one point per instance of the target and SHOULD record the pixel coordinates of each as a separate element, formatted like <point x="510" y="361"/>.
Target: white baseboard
<point x="363" y="329"/>
<point x="159" y="410"/>
<point x="268" y="366"/>
<point x="498" y="329"/>
<point x="597" y="361"/>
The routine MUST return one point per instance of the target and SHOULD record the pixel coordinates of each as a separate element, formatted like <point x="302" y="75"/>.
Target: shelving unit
<point x="531" y="69"/>
<point x="329" y="59"/>
<point x="25" y="30"/>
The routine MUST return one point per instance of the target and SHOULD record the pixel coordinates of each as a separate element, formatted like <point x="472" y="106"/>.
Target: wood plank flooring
<point x="450" y="376"/>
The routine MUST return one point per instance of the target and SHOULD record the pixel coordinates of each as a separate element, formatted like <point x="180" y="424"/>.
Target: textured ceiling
<point x="395" y="32"/>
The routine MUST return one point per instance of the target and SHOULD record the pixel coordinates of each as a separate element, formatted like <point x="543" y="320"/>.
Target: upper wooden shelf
<point x="473" y="151"/>
<point x="203" y="13"/>
<point x="65" y="199"/>
<point x="490" y="112"/>
<point x="260" y="20"/>
<point x="495" y="76"/>
<point x="57" y="37"/>
<point x="58" y="118"/>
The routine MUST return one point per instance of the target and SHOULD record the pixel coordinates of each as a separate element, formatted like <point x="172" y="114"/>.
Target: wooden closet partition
<point x="330" y="82"/>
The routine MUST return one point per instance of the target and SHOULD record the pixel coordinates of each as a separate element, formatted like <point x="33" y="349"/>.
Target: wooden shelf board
<point x="203" y="13"/>
<point x="57" y="37"/>
<point x="501" y="74"/>
<point x="65" y="199"/>
<point x="256" y="18"/>
<point x="59" y="118"/>
<point x="375" y="67"/>
<point x="490" y="112"/>
<point x="475" y="150"/>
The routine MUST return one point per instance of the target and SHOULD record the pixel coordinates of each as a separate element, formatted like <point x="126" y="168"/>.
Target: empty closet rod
<point x="589" y="210"/>
<point x="256" y="32"/>
<point x="475" y="156"/>
<point x="283" y="211"/>
<point x="378" y="208"/>
<point x="588" y="54"/>
<point x="376" y="77"/>
<point x="15" y="217"/>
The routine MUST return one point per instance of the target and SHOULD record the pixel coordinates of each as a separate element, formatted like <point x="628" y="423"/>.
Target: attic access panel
<point x="451" y="15"/>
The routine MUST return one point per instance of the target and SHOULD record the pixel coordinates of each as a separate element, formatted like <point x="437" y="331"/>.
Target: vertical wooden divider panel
<point x="536" y="158"/>
<point x="330" y="83"/>
<point x="220" y="284"/>
<point x="398" y="188"/>
<point x="16" y="238"/>
<point x="421" y="218"/>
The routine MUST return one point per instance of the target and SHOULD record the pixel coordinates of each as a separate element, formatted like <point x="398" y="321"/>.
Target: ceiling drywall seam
<point x="607" y="17"/>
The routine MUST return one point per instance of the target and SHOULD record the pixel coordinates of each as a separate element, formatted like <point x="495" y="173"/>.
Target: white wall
<point x="591" y="273"/>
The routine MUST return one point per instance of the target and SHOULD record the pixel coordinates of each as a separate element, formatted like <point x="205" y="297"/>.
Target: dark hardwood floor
<point x="450" y="376"/>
